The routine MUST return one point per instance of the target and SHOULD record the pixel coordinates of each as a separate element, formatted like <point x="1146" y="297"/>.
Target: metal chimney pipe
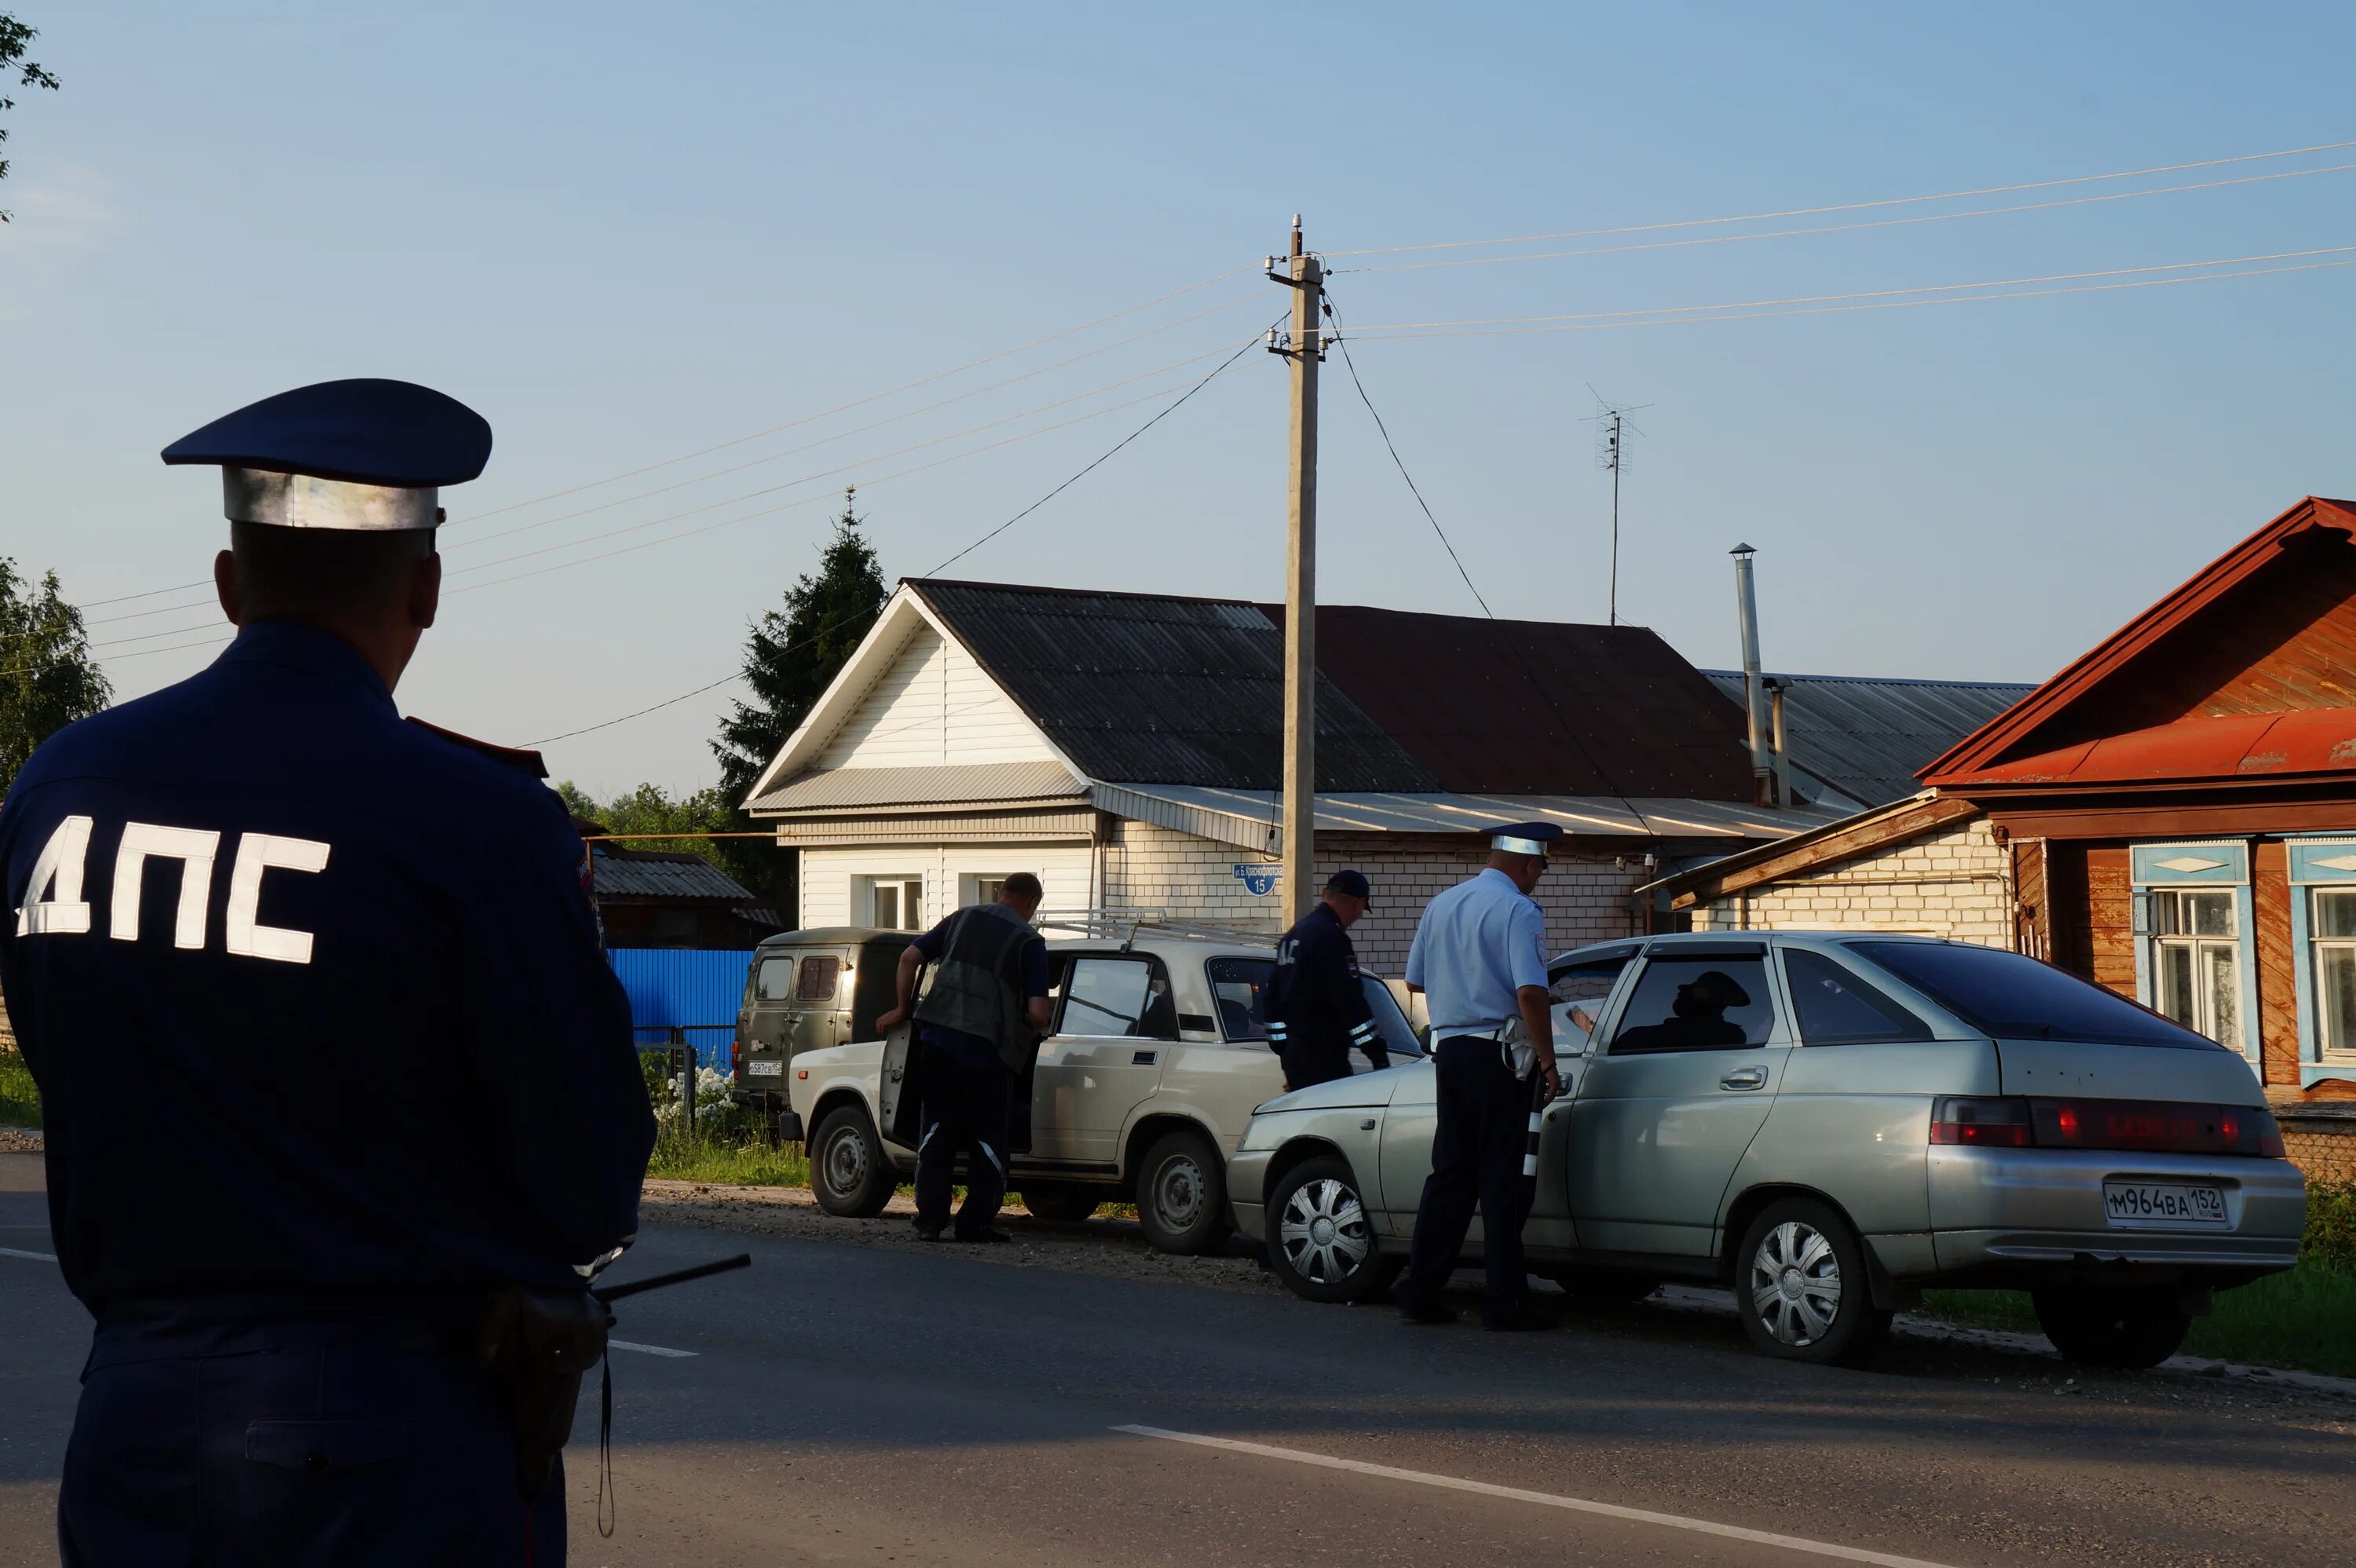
<point x="1783" y="753"/>
<point x="1746" y="605"/>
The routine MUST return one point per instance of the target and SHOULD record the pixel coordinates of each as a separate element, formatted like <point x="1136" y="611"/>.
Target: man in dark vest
<point x="977" y="1025"/>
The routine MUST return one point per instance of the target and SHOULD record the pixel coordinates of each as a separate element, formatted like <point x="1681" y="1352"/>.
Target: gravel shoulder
<point x="1921" y="1347"/>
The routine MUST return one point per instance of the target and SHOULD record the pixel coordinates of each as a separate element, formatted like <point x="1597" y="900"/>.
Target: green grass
<point x="20" y="1103"/>
<point x="2304" y="1318"/>
<point x="728" y="1161"/>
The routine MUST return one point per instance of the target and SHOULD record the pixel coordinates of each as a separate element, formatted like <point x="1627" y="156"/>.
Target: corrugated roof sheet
<point x="1180" y="690"/>
<point x="1242" y="818"/>
<point x="1535" y="707"/>
<point x="1866" y="738"/>
<point x="646" y="875"/>
<point x="967" y="783"/>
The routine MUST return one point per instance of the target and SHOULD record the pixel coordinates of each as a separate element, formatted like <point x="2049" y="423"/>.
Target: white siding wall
<point x="932" y="706"/>
<point x="1950" y="884"/>
<point x="830" y="878"/>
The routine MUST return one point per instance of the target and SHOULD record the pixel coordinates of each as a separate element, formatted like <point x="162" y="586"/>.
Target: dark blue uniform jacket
<point x="1316" y="1003"/>
<point x="314" y="1000"/>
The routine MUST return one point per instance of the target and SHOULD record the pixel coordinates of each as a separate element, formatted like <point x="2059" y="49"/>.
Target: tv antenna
<point x="1611" y="431"/>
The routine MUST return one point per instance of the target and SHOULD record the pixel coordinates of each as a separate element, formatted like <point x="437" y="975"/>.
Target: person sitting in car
<point x="1698" y="1020"/>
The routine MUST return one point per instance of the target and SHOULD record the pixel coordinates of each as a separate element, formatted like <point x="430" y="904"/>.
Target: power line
<point x="879" y="424"/>
<point x="1844" y="309"/>
<point x="877" y="397"/>
<point x="1394" y="326"/>
<point x="1846" y="206"/>
<point x="1342" y="340"/>
<point x="1846" y="228"/>
<point x="847" y="467"/>
<point x="670" y="701"/>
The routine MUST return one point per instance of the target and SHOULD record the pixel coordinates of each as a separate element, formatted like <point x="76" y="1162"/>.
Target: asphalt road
<point x="841" y="1403"/>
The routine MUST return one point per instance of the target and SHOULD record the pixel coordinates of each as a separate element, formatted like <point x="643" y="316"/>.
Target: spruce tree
<point x="790" y="654"/>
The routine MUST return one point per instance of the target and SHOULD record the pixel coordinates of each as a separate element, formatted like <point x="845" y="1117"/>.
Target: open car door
<point x="899" y="1098"/>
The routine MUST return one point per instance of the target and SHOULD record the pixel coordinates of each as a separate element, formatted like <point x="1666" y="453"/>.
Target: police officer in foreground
<point x="978" y="1029"/>
<point x="1317" y="1012"/>
<point x="1480" y="958"/>
<point x="342" y="1113"/>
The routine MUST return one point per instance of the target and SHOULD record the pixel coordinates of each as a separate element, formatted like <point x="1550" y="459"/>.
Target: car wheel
<point x="1605" y="1287"/>
<point x="1800" y="1286"/>
<point x="1181" y="1195"/>
<point x="1064" y="1202"/>
<point x="849" y="1173"/>
<point x="2115" y="1327"/>
<point x="1321" y="1241"/>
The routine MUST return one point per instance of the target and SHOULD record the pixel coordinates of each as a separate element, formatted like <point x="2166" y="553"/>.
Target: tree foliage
<point x="15" y="38"/>
<point x="790" y="655"/>
<point x="47" y="678"/>
<point x="650" y="809"/>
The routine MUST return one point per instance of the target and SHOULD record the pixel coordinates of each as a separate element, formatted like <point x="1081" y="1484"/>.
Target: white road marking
<point x="646" y="1350"/>
<point x="1543" y="1499"/>
<point x="37" y="1257"/>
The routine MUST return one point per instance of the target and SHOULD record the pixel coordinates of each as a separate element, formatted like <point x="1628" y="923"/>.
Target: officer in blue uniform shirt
<point x="1317" y="1012"/>
<point x="330" y="1059"/>
<point x="1479" y="957"/>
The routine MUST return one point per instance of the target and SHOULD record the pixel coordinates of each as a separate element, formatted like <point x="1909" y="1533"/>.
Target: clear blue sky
<point x="625" y="233"/>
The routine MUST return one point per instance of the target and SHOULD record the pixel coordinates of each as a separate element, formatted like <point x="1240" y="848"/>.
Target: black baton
<point x="613" y="1293"/>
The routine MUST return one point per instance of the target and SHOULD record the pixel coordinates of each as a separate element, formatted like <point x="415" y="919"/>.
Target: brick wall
<point x="1585" y="897"/>
<point x="1949" y="883"/>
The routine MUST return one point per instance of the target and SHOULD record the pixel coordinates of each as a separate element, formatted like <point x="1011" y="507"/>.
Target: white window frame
<point x="2320" y="863"/>
<point x="2213" y="864"/>
<point x="867" y="887"/>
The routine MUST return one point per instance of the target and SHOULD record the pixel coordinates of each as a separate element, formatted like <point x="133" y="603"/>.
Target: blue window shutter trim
<point x="2302" y="969"/>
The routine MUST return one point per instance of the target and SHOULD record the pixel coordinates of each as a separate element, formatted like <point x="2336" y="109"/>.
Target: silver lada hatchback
<point x="1828" y="1124"/>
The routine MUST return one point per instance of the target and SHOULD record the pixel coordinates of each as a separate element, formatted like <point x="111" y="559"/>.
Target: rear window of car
<point x="816" y="983"/>
<point x="2013" y="996"/>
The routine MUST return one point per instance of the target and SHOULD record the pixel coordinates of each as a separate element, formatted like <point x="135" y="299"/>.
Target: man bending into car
<point x="978" y="1028"/>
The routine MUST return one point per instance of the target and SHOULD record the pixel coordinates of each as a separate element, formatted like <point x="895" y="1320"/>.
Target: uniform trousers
<point x="1316" y="1061"/>
<point x="1481" y="1133"/>
<point x="289" y="1455"/>
<point x="965" y="1108"/>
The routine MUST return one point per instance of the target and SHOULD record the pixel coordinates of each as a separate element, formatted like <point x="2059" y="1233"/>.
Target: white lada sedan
<point x="1828" y="1124"/>
<point x="1155" y="1056"/>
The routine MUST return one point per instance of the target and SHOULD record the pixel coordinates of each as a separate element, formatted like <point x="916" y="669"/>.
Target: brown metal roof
<point x="1535" y="707"/>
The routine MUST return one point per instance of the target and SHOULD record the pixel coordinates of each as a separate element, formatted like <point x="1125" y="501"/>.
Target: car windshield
<point x="1240" y="989"/>
<point x="2014" y="997"/>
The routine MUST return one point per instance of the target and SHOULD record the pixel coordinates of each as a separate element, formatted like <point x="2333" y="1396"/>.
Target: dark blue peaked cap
<point x="367" y="430"/>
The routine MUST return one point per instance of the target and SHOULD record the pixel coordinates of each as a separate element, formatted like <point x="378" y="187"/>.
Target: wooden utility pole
<point x="1304" y="350"/>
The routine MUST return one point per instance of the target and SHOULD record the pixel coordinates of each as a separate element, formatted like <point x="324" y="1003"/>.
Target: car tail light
<point x="1981" y="1124"/>
<point x="2158" y="1126"/>
<point x="736" y="1056"/>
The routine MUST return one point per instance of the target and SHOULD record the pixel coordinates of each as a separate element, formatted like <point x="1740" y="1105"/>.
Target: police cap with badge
<point x="1524" y="838"/>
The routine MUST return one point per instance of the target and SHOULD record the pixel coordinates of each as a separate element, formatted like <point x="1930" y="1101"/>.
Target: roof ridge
<point x="1885" y="679"/>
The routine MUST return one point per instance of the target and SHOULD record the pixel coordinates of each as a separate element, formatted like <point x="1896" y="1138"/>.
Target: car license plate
<point x="760" y="1069"/>
<point x="2162" y="1204"/>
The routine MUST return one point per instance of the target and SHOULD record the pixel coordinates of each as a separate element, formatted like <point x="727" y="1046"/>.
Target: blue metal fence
<point x="692" y="989"/>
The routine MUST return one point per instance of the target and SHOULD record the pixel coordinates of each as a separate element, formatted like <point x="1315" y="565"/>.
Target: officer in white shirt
<point x="1480" y="959"/>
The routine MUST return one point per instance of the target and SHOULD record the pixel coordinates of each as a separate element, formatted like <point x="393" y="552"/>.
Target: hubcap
<point x="1179" y="1194"/>
<point x="846" y="1162"/>
<point x="1795" y="1284"/>
<point x="1323" y="1231"/>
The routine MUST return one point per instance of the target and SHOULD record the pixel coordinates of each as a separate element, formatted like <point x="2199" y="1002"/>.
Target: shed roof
<point x="1863" y="738"/>
<point x="979" y="785"/>
<point x="2270" y="746"/>
<point x="654" y="874"/>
